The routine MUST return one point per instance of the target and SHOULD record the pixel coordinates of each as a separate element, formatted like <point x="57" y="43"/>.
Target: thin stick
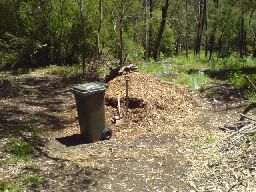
<point x="118" y="105"/>
<point x="127" y="93"/>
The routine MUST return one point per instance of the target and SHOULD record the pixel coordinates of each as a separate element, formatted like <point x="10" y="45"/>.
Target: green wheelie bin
<point x="90" y="105"/>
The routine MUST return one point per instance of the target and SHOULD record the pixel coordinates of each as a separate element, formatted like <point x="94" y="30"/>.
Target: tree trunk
<point x="150" y="41"/>
<point x="99" y="27"/>
<point x="83" y="33"/>
<point x="146" y="13"/>
<point x="253" y="33"/>
<point x="186" y="41"/>
<point x="177" y="45"/>
<point x="121" y="31"/>
<point x="242" y="38"/>
<point x="206" y="26"/>
<point x="220" y="42"/>
<point x="161" y="30"/>
<point x="254" y="49"/>
<point x="200" y="27"/>
<point x="212" y="37"/>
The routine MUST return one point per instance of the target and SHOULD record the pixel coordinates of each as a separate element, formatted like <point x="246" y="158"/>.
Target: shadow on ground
<point x="40" y="101"/>
<point x="72" y="140"/>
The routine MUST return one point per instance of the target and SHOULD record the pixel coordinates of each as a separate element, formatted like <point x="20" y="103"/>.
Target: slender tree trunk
<point x="254" y="49"/>
<point x="177" y="45"/>
<point x="83" y="33"/>
<point x="206" y="26"/>
<point x="242" y="38"/>
<point x="200" y="27"/>
<point x="212" y="37"/>
<point x="253" y="33"/>
<point x="150" y="41"/>
<point x="161" y="30"/>
<point x="146" y="54"/>
<point x="99" y="27"/>
<point x="220" y="42"/>
<point x="186" y="41"/>
<point x="121" y="31"/>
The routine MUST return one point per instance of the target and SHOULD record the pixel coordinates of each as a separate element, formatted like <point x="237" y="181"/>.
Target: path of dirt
<point x="150" y="162"/>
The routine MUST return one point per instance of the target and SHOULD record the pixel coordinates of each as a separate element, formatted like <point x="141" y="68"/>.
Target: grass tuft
<point x="194" y="81"/>
<point x="62" y="71"/>
<point x="18" y="147"/>
<point x="10" y="186"/>
<point x="32" y="178"/>
<point x="34" y="130"/>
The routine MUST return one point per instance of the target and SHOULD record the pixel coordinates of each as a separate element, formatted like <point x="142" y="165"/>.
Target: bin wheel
<point x="107" y="134"/>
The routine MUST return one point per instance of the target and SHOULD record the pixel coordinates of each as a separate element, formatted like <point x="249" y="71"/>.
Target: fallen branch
<point x="251" y="83"/>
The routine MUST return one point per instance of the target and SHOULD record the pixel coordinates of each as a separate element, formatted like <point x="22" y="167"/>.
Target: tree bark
<point x="121" y="31"/>
<point x="99" y="27"/>
<point x="206" y="26"/>
<point x="150" y="48"/>
<point x="161" y="30"/>
<point x="186" y="41"/>
<point x="200" y="26"/>
<point x="212" y="37"/>
<point x="83" y="33"/>
<point x="220" y="42"/>
<point x="242" y="38"/>
<point x="146" y="14"/>
<point x="253" y="33"/>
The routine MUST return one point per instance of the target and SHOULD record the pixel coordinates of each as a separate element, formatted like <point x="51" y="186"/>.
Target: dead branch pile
<point x="239" y="154"/>
<point x="232" y="167"/>
<point x="151" y="101"/>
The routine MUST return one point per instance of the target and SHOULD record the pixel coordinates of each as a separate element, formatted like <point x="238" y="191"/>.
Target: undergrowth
<point x="62" y="71"/>
<point x="20" y="150"/>
<point x="10" y="186"/>
<point x="32" y="178"/>
<point x="28" y="179"/>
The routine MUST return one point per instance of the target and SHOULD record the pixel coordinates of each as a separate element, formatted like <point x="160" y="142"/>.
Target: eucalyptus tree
<point x="161" y="29"/>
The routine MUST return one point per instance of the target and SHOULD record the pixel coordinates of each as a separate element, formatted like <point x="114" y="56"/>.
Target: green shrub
<point x="238" y="80"/>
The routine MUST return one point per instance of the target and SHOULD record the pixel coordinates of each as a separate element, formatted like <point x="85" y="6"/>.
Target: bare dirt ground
<point x="158" y="148"/>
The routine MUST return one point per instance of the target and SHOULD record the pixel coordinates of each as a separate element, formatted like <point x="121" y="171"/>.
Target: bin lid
<point x="89" y="88"/>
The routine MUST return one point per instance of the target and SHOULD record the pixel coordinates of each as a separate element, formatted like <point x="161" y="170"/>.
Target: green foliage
<point x="214" y="160"/>
<point x="251" y="96"/>
<point x="183" y="64"/>
<point x="63" y="71"/>
<point x="253" y="138"/>
<point x="38" y="119"/>
<point x="194" y="81"/>
<point x="32" y="178"/>
<point x="19" y="52"/>
<point x="238" y="80"/>
<point x="19" y="148"/>
<point x="10" y="187"/>
<point x="26" y="180"/>
<point x="151" y="67"/>
<point x="32" y="129"/>
<point x="205" y="141"/>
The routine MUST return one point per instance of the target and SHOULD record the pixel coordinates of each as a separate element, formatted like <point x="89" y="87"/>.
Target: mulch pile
<point x="154" y="105"/>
